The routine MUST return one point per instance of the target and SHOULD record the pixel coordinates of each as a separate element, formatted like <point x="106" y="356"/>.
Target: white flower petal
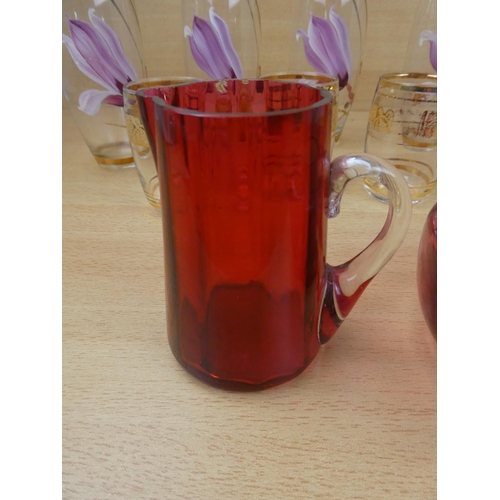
<point x="90" y="100"/>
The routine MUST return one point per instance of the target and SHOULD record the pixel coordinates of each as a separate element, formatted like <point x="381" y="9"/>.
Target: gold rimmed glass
<point x="144" y="161"/>
<point x="402" y="128"/>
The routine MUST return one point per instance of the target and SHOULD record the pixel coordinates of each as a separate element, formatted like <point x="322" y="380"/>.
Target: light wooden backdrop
<point x="389" y="26"/>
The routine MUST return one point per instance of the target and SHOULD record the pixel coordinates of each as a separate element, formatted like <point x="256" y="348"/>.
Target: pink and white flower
<point x="98" y="54"/>
<point x="212" y="48"/>
<point x="326" y="46"/>
<point x="431" y="37"/>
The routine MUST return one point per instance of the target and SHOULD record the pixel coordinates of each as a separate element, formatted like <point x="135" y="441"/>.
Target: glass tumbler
<point x="402" y="128"/>
<point x="102" y="52"/>
<point x="144" y="161"/>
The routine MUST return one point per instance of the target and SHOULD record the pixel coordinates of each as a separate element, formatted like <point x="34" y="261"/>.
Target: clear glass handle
<point x="345" y="283"/>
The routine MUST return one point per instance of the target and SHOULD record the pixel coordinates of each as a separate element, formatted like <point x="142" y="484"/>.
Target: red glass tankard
<point x="427" y="271"/>
<point x="246" y="187"/>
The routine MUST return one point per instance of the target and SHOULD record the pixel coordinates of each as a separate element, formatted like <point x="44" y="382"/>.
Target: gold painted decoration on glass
<point x="402" y="128"/>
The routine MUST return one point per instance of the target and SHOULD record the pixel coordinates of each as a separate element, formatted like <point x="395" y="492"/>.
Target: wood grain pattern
<point x="359" y="423"/>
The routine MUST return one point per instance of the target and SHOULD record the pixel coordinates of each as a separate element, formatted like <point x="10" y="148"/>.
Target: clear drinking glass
<point x="101" y="53"/>
<point x="402" y="128"/>
<point x="143" y="158"/>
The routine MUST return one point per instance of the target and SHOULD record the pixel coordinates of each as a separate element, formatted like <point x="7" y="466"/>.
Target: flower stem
<point x="128" y="27"/>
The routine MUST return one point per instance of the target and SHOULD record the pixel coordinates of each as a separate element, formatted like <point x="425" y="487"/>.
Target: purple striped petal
<point x="315" y="33"/>
<point x="207" y="50"/>
<point x="204" y="62"/>
<point x="212" y="48"/>
<point x="98" y="54"/>
<point x="227" y="45"/>
<point x="327" y="48"/>
<point x="114" y="45"/>
<point x="314" y="60"/>
<point x="340" y="30"/>
<point x="431" y="37"/>
<point x="90" y="45"/>
<point x="433" y="55"/>
<point x="90" y="100"/>
<point x="324" y="42"/>
<point x="82" y="64"/>
<point x="115" y="100"/>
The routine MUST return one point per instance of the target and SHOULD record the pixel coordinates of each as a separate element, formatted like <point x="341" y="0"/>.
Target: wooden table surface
<point x="359" y="423"/>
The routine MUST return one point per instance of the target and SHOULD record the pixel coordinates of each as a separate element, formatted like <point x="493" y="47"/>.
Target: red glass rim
<point x="324" y="98"/>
